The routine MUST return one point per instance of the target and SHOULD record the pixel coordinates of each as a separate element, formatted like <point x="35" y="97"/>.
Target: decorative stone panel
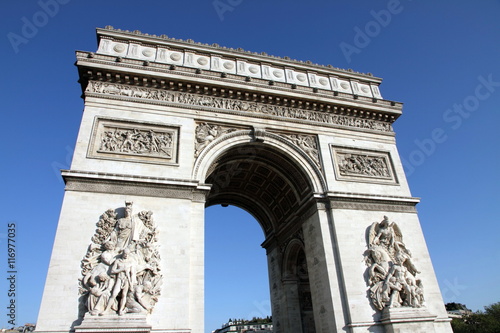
<point x="140" y="142"/>
<point x="360" y="165"/>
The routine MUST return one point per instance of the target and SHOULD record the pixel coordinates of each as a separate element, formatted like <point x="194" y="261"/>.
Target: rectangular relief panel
<point x="123" y="140"/>
<point x="360" y="165"/>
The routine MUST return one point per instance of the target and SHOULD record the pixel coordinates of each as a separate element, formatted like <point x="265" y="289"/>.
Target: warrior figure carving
<point x="391" y="272"/>
<point x="120" y="272"/>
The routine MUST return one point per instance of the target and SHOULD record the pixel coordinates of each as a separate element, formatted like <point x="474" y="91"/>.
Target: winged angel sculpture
<point x="121" y="270"/>
<point x="391" y="272"/>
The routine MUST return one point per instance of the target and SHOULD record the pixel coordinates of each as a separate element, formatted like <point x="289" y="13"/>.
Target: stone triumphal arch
<point x="172" y="126"/>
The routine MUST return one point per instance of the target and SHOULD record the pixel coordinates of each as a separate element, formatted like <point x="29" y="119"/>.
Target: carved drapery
<point x="121" y="270"/>
<point x="391" y="274"/>
<point x="180" y="98"/>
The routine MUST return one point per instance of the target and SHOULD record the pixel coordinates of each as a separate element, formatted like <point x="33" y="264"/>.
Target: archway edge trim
<point x="290" y="254"/>
<point x="226" y="142"/>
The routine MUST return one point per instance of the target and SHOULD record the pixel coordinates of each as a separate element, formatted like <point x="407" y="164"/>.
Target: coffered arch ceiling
<point x="262" y="180"/>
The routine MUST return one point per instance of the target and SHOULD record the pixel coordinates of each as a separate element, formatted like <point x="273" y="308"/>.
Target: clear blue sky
<point x="440" y="58"/>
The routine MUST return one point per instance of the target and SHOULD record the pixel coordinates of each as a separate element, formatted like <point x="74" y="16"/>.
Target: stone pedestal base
<point x="135" y="323"/>
<point x="404" y="319"/>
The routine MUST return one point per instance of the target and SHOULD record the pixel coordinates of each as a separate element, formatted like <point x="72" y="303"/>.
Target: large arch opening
<point x="261" y="180"/>
<point x="236" y="277"/>
<point x="276" y="190"/>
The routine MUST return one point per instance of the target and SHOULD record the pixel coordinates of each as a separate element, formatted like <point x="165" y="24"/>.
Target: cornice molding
<point x="358" y="201"/>
<point x="102" y="67"/>
<point x="98" y="182"/>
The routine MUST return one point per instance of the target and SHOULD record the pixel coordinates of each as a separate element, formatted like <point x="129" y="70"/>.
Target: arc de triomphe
<point x="172" y="126"/>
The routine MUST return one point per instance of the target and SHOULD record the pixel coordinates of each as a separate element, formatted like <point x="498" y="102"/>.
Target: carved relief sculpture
<point x="118" y="139"/>
<point x="355" y="165"/>
<point x="308" y="144"/>
<point x="120" y="272"/>
<point x="206" y="133"/>
<point x="179" y="98"/>
<point x="136" y="141"/>
<point x="392" y="276"/>
<point x="360" y="165"/>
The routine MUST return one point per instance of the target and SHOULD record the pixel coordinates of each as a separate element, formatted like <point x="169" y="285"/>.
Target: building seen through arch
<point x="170" y="127"/>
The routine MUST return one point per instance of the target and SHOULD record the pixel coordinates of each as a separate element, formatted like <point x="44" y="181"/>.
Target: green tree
<point x="455" y="306"/>
<point x="487" y="321"/>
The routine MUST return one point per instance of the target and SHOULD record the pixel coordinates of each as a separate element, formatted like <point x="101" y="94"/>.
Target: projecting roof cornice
<point x="146" y="40"/>
<point x="155" y="62"/>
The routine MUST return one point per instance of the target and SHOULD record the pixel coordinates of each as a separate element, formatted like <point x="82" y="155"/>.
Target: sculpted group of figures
<point x="136" y="141"/>
<point x="121" y="272"/>
<point x="351" y="164"/>
<point x="391" y="272"/>
<point x="235" y="104"/>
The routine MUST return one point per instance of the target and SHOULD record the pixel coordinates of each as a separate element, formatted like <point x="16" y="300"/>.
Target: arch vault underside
<point x="260" y="179"/>
<point x="170" y="127"/>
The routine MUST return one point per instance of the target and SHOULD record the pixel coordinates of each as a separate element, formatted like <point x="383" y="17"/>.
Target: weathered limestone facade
<point x="171" y="127"/>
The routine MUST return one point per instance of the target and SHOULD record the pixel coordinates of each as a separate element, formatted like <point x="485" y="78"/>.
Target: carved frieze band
<point x="141" y="142"/>
<point x="363" y="165"/>
<point x="182" y="98"/>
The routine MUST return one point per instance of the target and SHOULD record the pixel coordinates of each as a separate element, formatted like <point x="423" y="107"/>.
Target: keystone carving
<point x="391" y="272"/>
<point x="121" y="270"/>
